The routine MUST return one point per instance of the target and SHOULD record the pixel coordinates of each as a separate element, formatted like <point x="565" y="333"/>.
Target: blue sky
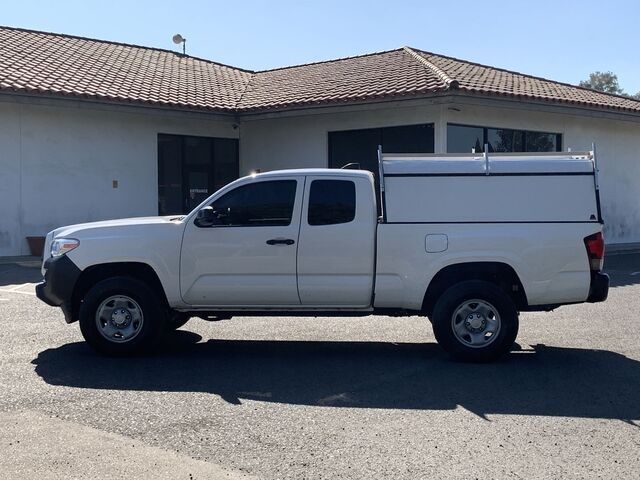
<point x="563" y="40"/>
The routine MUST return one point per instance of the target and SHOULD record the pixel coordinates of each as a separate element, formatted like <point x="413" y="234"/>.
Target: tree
<point x="603" y="81"/>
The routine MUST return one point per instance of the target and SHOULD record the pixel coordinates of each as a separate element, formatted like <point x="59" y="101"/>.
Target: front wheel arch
<point x="93" y="274"/>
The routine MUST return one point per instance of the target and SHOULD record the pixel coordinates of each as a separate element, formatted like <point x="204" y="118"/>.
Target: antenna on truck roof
<point x="351" y="166"/>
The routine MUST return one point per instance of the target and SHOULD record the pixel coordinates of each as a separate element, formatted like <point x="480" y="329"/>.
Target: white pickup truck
<point x="465" y="240"/>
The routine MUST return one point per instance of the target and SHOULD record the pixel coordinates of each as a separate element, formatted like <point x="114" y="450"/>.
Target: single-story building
<point x="91" y="130"/>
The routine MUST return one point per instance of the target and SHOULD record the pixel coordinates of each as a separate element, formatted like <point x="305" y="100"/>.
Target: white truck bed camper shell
<point x="496" y="188"/>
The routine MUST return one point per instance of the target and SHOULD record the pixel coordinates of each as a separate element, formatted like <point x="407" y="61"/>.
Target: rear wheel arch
<point x="500" y="274"/>
<point x="93" y="274"/>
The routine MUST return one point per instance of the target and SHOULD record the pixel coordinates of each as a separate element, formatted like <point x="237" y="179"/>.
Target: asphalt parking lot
<point x="349" y="398"/>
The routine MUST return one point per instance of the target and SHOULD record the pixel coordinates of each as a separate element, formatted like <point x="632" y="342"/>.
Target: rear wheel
<point x="475" y="321"/>
<point x="122" y="316"/>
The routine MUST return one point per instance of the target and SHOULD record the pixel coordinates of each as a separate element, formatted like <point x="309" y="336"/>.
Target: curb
<point x="622" y="248"/>
<point x="23" y="261"/>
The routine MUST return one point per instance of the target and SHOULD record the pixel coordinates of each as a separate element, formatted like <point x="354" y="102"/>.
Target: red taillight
<point x="595" y="250"/>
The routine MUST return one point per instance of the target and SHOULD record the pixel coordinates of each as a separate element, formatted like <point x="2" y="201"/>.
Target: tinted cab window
<point x="331" y="202"/>
<point x="257" y="205"/>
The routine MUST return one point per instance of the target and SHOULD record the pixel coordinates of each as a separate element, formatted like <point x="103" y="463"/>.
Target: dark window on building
<point x="170" y="197"/>
<point x="361" y="146"/>
<point x="262" y="204"/>
<point x="408" y="139"/>
<point x="465" y="138"/>
<point x="192" y="168"/>
<point x="542" y="142"/>
<point x="331" y="202"/>
<point x="355" y="146"/>
<point x="504" y="140"/>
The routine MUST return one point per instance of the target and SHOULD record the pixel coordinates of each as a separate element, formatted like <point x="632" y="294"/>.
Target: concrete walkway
<point x="39" y="446"/>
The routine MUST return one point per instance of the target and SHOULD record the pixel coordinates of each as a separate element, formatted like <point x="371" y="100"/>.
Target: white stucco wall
<point x="58" y="163"/>
<point x="301" y="141"/>
<point x="58" y="159"/>
<point x="10" y="184"/>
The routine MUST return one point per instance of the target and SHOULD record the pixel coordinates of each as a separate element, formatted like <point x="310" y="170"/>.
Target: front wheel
<point x="475" y="321"/>
<point x="122" y="316"/>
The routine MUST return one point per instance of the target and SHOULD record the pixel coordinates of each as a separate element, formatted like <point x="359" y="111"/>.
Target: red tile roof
<point x="373" y="76"/>
<point x="37" y="62"/>
<point x="64" y="65"/>
<point x="476" y="78"/>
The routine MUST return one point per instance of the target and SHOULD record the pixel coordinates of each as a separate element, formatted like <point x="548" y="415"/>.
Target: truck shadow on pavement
<point x="541" y="380"/>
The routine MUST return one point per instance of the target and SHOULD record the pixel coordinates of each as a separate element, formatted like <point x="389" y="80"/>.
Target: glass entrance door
<point x="192" y="168"/>
<point x="197" y="188"/>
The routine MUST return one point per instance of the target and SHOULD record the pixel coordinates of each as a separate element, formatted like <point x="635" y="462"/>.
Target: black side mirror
<point x="207" y="217"/>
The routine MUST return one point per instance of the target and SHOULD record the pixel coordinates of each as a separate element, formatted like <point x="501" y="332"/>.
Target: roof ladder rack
<point x="485" y="154"/>
<point x="381" y="179"/>
<point x="596" y="180"/>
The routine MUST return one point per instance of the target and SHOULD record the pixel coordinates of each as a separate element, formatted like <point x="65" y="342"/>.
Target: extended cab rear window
<point x="262" y="204"/>
<point x="331" y="202"/>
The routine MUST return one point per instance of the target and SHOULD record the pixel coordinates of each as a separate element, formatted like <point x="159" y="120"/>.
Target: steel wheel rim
<point x="476" y="323"/>
<point x="119" y="318"/>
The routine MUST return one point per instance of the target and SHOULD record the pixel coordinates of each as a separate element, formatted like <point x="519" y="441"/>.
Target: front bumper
<point x="59" y="281"/>
<point x="599" y="289"/>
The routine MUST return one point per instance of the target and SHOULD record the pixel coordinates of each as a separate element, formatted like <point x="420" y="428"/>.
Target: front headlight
<point x="60" y="246"/>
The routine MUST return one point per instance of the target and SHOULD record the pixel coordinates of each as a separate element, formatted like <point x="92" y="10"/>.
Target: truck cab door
<point x="245" y="253"/>
<point x="336" y="248"/>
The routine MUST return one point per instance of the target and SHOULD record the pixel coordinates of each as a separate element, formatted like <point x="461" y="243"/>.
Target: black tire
<point x="454" y="300"/>
<point x="146" y="304"/>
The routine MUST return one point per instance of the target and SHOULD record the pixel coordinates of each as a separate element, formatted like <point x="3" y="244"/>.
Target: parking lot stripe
<point x="3" y="290"/>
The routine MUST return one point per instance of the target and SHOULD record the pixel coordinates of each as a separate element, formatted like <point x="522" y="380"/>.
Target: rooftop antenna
<point x="179" y="39"/>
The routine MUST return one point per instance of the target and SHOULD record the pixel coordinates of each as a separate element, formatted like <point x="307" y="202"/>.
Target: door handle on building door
<point x="281" y="241"/>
